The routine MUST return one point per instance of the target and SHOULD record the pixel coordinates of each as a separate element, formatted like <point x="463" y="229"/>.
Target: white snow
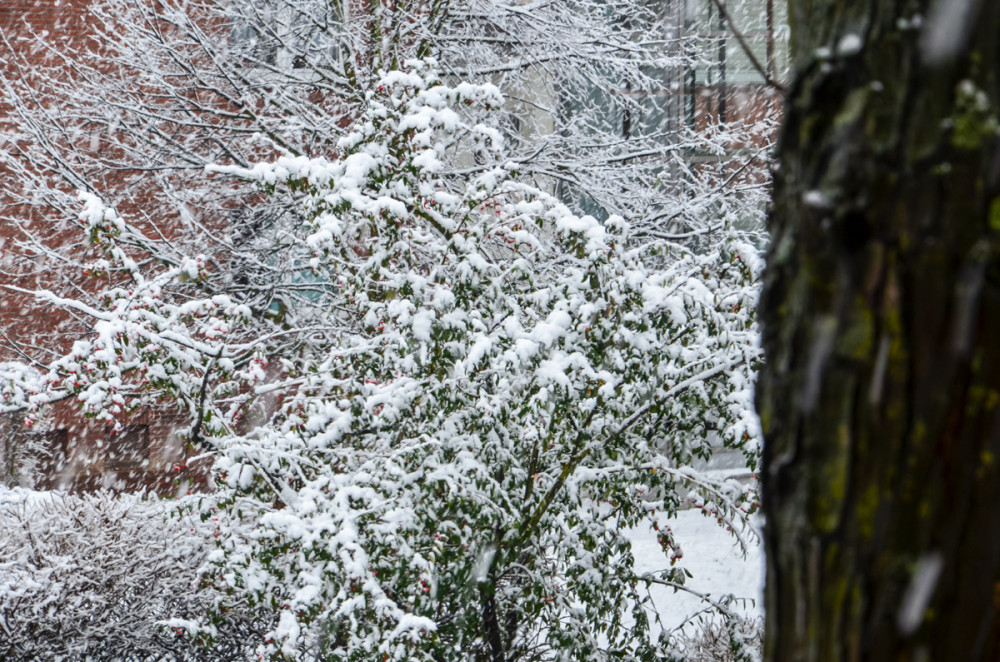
<point x="947" y="29"/>
<point x="849" y="44"/>
<point x="919" y="593"/>
<point x="713" y="557"/>
<point x="816" y="199"/>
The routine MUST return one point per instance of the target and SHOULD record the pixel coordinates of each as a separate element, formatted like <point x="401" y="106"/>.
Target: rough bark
<point x="880" y="400"/>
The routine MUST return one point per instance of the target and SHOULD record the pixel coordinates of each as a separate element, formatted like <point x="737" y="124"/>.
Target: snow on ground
<point x="712" y="555"/>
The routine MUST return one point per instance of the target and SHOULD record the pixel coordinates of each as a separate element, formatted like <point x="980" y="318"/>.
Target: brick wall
<point x="64" y="449"/>
<point x="64" y="22"/>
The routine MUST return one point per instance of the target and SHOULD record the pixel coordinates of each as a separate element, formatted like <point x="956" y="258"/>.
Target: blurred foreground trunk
<point x="880" y="399"/>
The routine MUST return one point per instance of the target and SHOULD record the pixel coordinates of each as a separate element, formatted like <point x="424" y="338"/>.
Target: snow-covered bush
<point x="97" y="577"/>
<point x="738" y="639"/>
<point x="502" y="368"/>
<point x="469" y="396"/>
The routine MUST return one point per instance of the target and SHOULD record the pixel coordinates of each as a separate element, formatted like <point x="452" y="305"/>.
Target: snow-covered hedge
<point x="721" y="640"/>
<point x="99" y="577"/>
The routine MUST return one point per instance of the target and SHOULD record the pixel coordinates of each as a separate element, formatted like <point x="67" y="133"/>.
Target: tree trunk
<point x="880" y="399"/>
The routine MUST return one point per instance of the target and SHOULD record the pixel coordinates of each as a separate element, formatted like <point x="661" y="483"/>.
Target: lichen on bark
<point x="880" y="311"/>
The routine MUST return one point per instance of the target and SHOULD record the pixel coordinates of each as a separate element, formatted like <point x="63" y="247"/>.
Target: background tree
<point x="165" y="88"/>
<point x="879" y="399"/>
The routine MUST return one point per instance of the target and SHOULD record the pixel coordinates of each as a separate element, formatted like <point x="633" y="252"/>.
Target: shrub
<point x="100" y="577"/>
<point x="737" y="639"/>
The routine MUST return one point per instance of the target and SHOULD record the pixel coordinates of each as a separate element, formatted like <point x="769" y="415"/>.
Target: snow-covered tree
<point x="592" y="113"/>
<point x="468" y="396"/>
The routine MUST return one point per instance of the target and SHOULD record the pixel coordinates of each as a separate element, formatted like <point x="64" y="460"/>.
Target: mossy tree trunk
<point x="880" y="399"/>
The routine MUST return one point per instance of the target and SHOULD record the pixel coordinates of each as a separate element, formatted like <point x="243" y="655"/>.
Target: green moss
<point x="854" y="108"/>
<point x="858" y="339"/>
<point x="837" y="589"/>
<point x="995" y="214"/>
<point x="808" y="126"/>
<point x="987" y="459"/>
<point x="831" y="484"/>
<point x="867" y="510"/>
<point x="970" y="131"/>
<point x="980" y="398"/>
<point x="764" y="414"/>
<point x="974" y="119"/>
